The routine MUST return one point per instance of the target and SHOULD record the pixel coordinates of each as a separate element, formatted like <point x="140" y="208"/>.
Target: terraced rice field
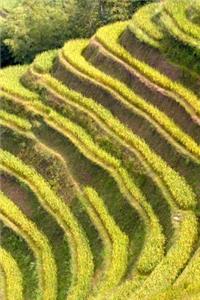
<point x="100" y="165"/>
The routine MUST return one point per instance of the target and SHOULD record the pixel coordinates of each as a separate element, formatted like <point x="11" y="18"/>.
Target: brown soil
<point x="11" y="188"/>
<point x="149" y="55"/>
<point x="159" y="61"/>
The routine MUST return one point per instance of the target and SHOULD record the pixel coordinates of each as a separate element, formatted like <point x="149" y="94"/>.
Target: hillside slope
<point x="100" y="164"/>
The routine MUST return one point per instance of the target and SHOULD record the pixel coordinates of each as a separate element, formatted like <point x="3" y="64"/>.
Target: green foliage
<point x="12" y="276"/>
<point x="14" y="120"/>
<point x="118" y="258"/>
<point x="166" y="272"/>
<point x="178" y="11"/>
<point x="8" y="5"/>
<point x="169" y="28"/>
<point x="35" y="27"/>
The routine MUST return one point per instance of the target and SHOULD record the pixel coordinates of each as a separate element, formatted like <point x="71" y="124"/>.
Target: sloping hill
<point x="100" y="164"/>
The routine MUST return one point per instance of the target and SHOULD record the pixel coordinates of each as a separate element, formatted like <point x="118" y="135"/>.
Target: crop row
<point x="72" y="53"/>
<point x="190" y="277"/>
<point x="12" y="277"/>
<point x="143" y="26"/>
<point x="178" y="255"/>
<point x="81" y="254"/>
<point x="171" y="27"/>
<point x="119" y="253"/>
<point x="44" y="61"/>
<point x="20" y="123"/>
<point x="10" y="81"/>
<point x="166" y="272"/>
<point x="11" y="215"/>
<point x="99" y="156"/>
<point x="109" y="37"/>
<point x="181" y="192"/>
<point x="178" y="11"/>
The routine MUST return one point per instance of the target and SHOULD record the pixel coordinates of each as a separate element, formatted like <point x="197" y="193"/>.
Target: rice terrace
<point x="100" y="150"/>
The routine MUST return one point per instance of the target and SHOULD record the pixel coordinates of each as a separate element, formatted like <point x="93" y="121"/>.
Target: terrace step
<point x="96" y="54"/>
<point x="89" y="87"/>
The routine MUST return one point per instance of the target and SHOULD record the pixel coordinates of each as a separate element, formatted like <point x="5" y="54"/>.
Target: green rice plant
<point x="166" y="272"/>
<point x="93" y="152"/>
<point x="72" y="53"/>
<point x="190" y="277"/>
<point x="82" y="261"/>
<point x="170" y="26"/>
<point x="44" y="61"/>
<point x="174" y="182"/>
<point x="14" y="120"/>
<point x="178" y="255"/>
<point x="10" y="81"/>
<point x="178" y="10"/>
<point x="109" y="36"/>
<point x="118" y="258"/>
<point x="144" y="28"/>
<point x="13" y="217"/>
<point x="13" y="283"/>
<point x="9" y="5"/>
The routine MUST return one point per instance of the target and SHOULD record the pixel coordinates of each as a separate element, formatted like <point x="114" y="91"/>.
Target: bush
<point x="34" y="27"/>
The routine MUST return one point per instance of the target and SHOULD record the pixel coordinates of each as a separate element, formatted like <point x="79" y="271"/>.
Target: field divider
<point x="190" y="277"/>
<point x="189" y="249"/>
<point x="12" y="277"/>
